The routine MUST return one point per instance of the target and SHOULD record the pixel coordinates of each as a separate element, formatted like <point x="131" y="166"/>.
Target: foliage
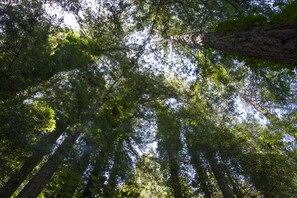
<point x="115" y="110"/>
<point x="287" y="15"/>
<point x="242" y="23"/>
<point x="147" y="181"/>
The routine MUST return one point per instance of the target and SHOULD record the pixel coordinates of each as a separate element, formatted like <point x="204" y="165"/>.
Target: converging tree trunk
<point x="236" y="188"/>
<point x="174" y="175"/>
<point x="73" y="179"/>
<point x="271" y="117"/>
<point x="97" y="177"/>
<point x="112" y="182"/>
<point x="19" y="176"/>
<point x="273" y="43"/>
<point x="201" y="174"/>
<point x="222" y="180"/>
<point x="39" y="180"/>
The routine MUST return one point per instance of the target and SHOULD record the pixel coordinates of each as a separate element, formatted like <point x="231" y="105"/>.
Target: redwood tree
<point x="273" y="43"/>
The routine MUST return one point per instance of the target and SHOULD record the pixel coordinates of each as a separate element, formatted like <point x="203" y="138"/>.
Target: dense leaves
<point x="116" y="108"/>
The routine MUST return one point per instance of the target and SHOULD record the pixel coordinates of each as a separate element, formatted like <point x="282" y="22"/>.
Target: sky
<point x="170" y="67"/>
<point x="68" y="18"/>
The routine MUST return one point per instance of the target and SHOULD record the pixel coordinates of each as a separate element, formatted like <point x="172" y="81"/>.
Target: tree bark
<point x="91" y="183"/>
<point x="201" y="174"/>
<point x="174" y="175"/>
<point x="272" y="43"/>
<point x="98" y="172"/>
<point x="39" y="180"/>
<point x="222" y="180"/>
<point x="19" y="176"/>
<point x="114" y="172"/>
<point x="236" y="188"/>
<point x="271" y="117"/>
<point x="257" y="107"/>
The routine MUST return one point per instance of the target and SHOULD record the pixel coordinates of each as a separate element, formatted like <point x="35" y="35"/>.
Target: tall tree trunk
<point x="39" y="180"/>
<point x="73" y="179"/>
<point x="236" y="188"/>
<point x="222" y="180"/>
<point x="273" y="43"/>
<point x="99" y="169"/>
<point x="201" y="174"/>
<point x="19" y="176"/>
<point x="174" y="175"/>
<point x="115" y="170"/>
<point x="271" y="117"/>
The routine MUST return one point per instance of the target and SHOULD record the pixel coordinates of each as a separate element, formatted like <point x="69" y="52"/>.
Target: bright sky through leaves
<point x="143" y="109"/>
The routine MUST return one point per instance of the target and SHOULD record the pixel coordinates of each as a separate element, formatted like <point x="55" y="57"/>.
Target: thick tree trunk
<point x="222" y="180"/>
<point x="39" y="180"/>
<point x="19" y="176"/>
<point x="273" y="43"/>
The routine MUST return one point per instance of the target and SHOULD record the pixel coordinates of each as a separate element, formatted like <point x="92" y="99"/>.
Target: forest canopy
<point x="148" y="98"/>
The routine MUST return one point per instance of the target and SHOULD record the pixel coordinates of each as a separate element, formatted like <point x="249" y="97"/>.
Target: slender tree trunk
<point x="273" y="43"/>
<point x="236" y="188"/>
<point x="174" y="175"/>
<point x="97" y="177"/>
<point x="271" y="117"/>
<point x="115" y="170"/>
<point x="257" y="107"/>
<point x="19" y="176"/>
<point x="39" y="180"/>
<point x="90" y="183"/>
<point x="98" y="173"/>
<point x="222" y="180"/>
<point x="201" y="173"/>
<point x="73" y="179"/>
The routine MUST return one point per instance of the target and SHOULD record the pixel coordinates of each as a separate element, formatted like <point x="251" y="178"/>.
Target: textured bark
<point x="39" y="180"/>
<point x="222" y="180"/>
<point x="191" y="39"/>
<point x="19" y="176"/>
<point x="257" y="107"/>
<point x="273" y="43"/>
